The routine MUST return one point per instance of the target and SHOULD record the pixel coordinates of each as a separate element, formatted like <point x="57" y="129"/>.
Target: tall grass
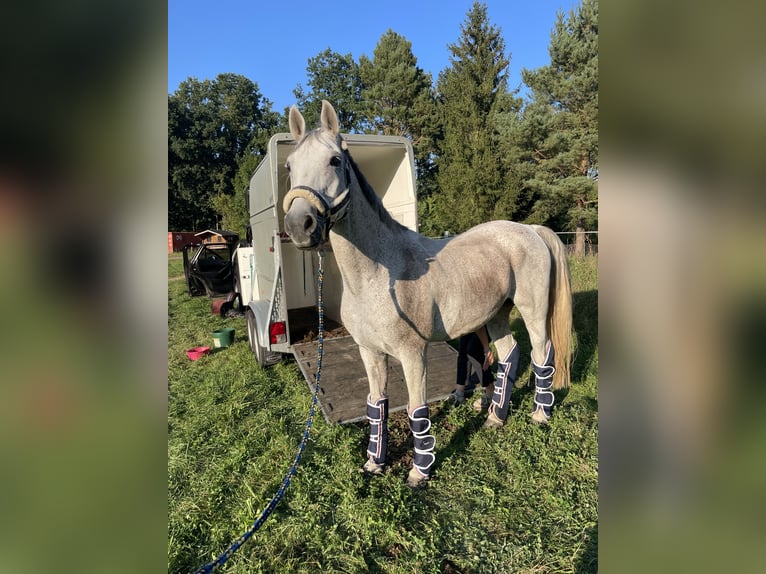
<point x="522" y="499"/>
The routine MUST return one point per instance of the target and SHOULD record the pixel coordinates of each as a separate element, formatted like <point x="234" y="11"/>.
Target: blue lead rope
<point x="275" y="500"/>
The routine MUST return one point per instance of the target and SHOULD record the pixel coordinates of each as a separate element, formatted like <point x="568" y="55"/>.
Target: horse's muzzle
<point x="304" y="225"/>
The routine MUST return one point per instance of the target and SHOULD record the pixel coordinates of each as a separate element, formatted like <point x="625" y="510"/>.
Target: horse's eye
<point x="287" y="167"/>
<point x="335" y="161"/>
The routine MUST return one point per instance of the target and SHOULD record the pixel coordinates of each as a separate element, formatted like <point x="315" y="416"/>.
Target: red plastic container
<point x="197" y="352"/>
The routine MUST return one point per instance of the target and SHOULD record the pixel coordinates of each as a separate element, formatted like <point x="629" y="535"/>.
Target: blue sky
<point x="271" y="42"/>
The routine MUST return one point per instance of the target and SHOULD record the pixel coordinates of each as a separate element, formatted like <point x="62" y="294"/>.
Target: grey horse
<point x="401" y="289"/>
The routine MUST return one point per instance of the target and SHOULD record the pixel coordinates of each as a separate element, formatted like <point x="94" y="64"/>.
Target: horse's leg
<point x="376" y="365"/>
<point x="533" y="307"/>
<point x="414" y="364"/>
<point x="507" y="366"/>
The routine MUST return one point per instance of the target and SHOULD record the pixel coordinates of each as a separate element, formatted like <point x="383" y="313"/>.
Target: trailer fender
<point x="261" y="311"/>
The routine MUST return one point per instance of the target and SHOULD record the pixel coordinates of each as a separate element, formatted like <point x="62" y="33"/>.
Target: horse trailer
<point x="277" y="282"/>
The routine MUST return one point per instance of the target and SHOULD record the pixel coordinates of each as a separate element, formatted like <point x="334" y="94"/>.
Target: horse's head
<point x="319" y="177"/>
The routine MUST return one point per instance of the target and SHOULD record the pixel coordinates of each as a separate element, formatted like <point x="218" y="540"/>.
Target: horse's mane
<point x="372" y="198"/>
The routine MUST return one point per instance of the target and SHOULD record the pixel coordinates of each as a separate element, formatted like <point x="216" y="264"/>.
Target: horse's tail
<point x="559" y="307"/>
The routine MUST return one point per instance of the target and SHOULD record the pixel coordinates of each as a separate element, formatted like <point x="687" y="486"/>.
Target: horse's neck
<point x="362" y="229"/>
<point x="363" y="242"/>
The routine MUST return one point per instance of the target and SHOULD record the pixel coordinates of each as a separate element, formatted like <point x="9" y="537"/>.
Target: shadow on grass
<point x="461" y="435"/>
<point x="587" y="562"/>
<point x="373" y="565"/>
<point x="585" y="323"/>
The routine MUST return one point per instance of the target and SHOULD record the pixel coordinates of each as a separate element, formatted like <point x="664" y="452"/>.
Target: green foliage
<point x="233" y="212"/>
<point x="333" y="77"/>
<point x="211" y="125"/>
<point x="520" y="499"/>
<point x="470" y="91"/>
<point x="559" y="132"/>
<point x="393" y="84"/>
<point x="513" y="203"/>
<point x="397" y="99"/>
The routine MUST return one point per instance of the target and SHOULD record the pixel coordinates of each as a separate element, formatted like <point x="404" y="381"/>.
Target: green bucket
<point x="222" y="338"/>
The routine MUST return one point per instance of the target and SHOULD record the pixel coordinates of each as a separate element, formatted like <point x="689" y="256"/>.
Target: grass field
<point x="523" y="499"/>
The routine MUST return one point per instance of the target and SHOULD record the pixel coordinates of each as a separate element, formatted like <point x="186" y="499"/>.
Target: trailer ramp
<point x="343" y="388"/>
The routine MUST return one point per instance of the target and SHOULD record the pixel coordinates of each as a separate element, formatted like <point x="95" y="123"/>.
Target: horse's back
<point x="516" y="243"/>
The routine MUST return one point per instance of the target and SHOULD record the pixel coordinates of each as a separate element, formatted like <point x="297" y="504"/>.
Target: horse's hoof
<point x="372" y="468"/>
<point x="539" y="417"/>
<point x="482" y="403"/>
<point x="416" y="479"/>
<point x="493" y="422"/>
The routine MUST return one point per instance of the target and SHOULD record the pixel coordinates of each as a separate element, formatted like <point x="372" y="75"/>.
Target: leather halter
<point x="327" y="213"/>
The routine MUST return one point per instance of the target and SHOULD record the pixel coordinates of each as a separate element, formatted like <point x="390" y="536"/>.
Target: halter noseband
<point x="325" y="211"/>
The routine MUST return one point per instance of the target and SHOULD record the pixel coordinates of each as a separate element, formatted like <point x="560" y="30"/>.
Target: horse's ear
<point x="297" y="124"/>
<point x="329" y="118"/>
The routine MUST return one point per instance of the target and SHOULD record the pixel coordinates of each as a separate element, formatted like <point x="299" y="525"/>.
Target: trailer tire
<point x="263" y="356"/>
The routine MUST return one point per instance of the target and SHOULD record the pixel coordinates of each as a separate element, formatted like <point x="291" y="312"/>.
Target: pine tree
<point x="397" y="99"/>
<point x="512" y="202"/>
<point x="560" y="133"/>
<point x="470" y="92"/>
<point x="395" y="90"/>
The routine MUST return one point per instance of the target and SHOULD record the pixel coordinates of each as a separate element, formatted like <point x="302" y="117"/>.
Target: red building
<point x="177" y="240"/>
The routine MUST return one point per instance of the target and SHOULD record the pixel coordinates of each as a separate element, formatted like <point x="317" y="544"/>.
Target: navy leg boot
<point x="544" y="387"/>
<point x="424" y="444"/>
<point x="501" y="398"/>
<point x="377" y="414"/>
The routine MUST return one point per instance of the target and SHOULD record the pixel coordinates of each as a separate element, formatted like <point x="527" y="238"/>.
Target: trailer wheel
<point x="263" y="356"/>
